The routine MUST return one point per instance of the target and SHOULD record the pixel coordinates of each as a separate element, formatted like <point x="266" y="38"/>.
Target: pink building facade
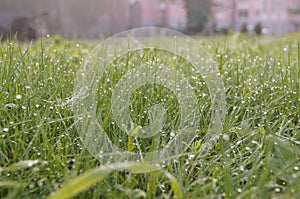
<point x="121" y="15"/>
<point x="93" y="18"/>
<point x="276" y="16"/>
<point x="165" y="13"/>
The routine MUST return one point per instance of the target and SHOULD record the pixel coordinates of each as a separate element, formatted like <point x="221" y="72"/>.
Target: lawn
<point x="42" y="153"/>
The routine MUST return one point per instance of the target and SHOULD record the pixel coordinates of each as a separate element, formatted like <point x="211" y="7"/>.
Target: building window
<point x="243" y="14"/>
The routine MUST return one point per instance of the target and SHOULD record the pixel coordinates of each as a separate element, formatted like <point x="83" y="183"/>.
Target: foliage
<point x="198" y="13"/>
<point x="244" y="28"/>
<point x="258" y="29"/>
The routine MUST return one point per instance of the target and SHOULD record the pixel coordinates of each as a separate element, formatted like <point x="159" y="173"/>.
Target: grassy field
<point x="257" y="156"/>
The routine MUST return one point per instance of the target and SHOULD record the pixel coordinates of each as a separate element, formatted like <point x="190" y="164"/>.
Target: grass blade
<point x="82" y="182"/>
<point x="96" y="175"/>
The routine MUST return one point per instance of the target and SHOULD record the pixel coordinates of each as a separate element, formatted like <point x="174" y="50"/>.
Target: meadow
<point x="257" y="155"/>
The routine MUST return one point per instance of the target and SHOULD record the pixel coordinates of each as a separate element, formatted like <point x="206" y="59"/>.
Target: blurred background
<point x="83" y="19"/>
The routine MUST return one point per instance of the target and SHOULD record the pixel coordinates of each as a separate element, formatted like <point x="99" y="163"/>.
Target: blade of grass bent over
<point x="96" y="175"/>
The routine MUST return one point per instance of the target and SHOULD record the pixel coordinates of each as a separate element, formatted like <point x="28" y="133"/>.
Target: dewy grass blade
<point x="96" y="175"/>
<point x="8" y="184"/>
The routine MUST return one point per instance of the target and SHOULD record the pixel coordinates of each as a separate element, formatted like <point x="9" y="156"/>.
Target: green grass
<point x="258" y="154"/>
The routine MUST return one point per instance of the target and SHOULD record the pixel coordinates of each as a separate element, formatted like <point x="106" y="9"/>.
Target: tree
<point x="258" y="28"/>
<point x="295" y="9"/>
<point x="244" y="28"/>
<point x="198" y="12"/>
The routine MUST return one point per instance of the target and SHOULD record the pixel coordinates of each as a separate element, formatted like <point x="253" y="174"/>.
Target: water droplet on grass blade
<point x="225" y="137"/>
<point x="23" y="164"/>
<point x="242" y="168"/>
<point x="10" y="105"/>
<point x="18" y="97"/>
<point x="277" y="190"/>
<point x="172" y="134"/>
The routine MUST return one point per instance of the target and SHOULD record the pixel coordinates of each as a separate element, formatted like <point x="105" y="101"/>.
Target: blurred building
<point x="276" y="16"/>
<point x="165" y="13"/>
<point x="30" y="11"/>
<point x="92" y="18"/>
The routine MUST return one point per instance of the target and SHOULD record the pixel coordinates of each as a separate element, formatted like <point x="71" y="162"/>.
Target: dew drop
<point x="31" y="186"/>
<point x="172" y="134"/>
<point x="18" y="97"/>
<point x="10" y="105"/>
<point x="225" y="137"/>
<point x="242" y="168"/>
<point x="277" y="190"/>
